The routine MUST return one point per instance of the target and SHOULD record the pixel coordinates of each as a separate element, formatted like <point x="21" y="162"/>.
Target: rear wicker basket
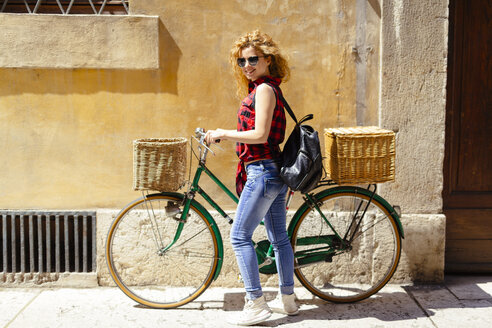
<point x="159" y="164"/>
<point x="363" y="154"/>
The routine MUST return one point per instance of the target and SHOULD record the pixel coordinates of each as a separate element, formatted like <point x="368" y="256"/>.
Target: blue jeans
<point x="263" y="198"/>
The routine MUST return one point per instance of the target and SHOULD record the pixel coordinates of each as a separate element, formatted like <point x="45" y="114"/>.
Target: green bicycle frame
<point x="327" y="243"/>
<point x="261" y="251"/>
<point x="196" y="188"/>
<point x="189" y="200"/>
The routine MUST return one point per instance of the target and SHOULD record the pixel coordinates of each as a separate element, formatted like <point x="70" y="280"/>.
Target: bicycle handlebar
<point x="200" y="137"/>
<point x="200" y="132"/>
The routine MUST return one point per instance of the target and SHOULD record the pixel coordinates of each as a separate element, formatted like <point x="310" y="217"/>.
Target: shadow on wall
<point x="376" y="7"/>
<point x="169" y="56"/>
<point x="87" y="81"/>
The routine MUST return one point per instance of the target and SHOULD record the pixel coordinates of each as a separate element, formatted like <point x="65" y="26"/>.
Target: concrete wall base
<point x="36" y="279"/>
<point x="422" y="257"/>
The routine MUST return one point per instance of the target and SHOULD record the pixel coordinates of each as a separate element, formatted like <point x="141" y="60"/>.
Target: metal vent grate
<point x="65" y="7"/>
<point x="35" y="241"/>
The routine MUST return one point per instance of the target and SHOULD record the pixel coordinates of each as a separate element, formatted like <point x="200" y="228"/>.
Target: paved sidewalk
<point x="459" y="302"/>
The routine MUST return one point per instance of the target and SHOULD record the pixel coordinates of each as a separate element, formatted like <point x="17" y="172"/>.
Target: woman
<point x="259" y="67"/>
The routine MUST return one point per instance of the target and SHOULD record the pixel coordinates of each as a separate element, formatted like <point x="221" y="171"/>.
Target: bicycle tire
<point x="354" y="274"/>
<point x="142" y="268"/>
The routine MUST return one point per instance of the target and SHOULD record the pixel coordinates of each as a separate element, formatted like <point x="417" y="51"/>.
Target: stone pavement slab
<point x="460" y="302"/>
<point x="470" y="287"/>
<point x="14" y="301"/>
<point x="109" y="307"/>
<point x="445" y="310"/>
<point x="466" y="301"/>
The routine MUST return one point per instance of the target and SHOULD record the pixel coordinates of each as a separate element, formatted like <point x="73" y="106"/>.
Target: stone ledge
<point x="422" y="256"/>
<point x="79" y="41"/>
<point x="59" y="279"/>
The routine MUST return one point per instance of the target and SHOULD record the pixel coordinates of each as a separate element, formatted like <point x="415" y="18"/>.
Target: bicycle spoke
<point x="152" y="219"/>
<point x="189" y="253"/>
<point x="360" y="233"/>
<point x="354" y="269"/>
<point x="144" y="271"/>
<point x="192" y="237"/>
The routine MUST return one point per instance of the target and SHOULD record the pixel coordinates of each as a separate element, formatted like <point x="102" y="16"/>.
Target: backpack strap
<point x="291" y="112"/>
<point x="287" y="107"/>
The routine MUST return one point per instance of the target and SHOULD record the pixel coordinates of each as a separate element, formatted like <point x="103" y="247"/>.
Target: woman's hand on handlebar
<point x="214" y="136"/>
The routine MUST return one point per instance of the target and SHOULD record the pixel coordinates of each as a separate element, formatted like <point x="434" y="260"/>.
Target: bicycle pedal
<point x="240" y="278"/>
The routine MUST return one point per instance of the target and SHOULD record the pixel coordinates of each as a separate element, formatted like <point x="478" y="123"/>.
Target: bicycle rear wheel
<point x="345" y="274"/>
<point x="148" y="261"/>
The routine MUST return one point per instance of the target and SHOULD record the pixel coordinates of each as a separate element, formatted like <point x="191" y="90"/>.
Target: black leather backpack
<point x="302" y="165"/>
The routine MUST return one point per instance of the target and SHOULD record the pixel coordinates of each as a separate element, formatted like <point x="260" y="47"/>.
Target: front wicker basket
<point x="159" y="164"/>
<point x="363" y="154"/>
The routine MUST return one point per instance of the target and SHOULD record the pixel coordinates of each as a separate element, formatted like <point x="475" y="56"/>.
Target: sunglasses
<point x="253" y="60"/>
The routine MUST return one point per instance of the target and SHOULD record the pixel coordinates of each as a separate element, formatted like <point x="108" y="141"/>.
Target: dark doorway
<point x="467" y="193"/>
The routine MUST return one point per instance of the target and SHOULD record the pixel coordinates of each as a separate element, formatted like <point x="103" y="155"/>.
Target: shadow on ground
<point x="394" y="303"/>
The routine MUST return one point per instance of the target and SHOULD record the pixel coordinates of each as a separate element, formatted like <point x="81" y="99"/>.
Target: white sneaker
<point x="285" y="304"/>
<point x="254" y="312"/>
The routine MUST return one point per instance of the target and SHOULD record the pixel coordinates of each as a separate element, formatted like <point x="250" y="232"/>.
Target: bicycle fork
<point x="171" y="210"/>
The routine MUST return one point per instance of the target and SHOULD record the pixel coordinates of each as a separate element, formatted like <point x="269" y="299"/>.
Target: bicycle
<point x="346" y="242"/>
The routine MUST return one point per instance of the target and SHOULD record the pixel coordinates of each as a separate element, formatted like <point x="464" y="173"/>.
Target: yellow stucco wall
<point x="66" y="134"/>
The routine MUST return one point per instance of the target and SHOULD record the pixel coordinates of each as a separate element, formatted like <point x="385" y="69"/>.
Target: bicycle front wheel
<point x="361" y="261"/>
<point x="156" y="258"/>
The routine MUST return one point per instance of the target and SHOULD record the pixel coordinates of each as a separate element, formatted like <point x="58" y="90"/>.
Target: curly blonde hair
<point x="264" y="45"/>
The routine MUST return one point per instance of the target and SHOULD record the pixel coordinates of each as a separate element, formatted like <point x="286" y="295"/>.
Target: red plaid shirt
<point x="246" y="122"/>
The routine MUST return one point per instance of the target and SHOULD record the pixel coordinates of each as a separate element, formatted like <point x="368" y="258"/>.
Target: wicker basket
<point x="363" y="154"/>
<point x="159" y="164"/>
